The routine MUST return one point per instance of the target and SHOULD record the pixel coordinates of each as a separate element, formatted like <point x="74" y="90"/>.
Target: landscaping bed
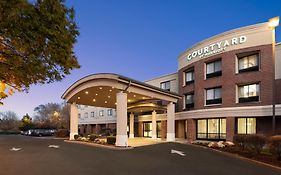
<point x="255" y="147"/>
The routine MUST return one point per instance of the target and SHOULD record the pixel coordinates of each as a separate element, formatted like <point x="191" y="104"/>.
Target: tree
<point x="26" y="123"/>
<point x="36" y="43"/>
<point x="52" y="115"/>
<point x="8" y="121"/>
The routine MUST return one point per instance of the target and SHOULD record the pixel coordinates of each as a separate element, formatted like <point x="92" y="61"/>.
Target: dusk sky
<point x="142" y="39"/>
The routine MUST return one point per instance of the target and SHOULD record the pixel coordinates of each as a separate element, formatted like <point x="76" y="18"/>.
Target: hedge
<point x="111" y="140"/>
<point x="275" y="146"/>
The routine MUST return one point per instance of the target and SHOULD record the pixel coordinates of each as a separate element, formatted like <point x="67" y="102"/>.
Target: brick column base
<point x="230" y="128"/>
<point x="191" y="130"/>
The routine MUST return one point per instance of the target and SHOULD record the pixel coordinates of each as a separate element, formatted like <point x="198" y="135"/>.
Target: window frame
<point x="191" y="70"/>
<point x="101" y="113"/>
<point x="109" y="112"/>
<point x="214" y="73"/>
<point x="249" y="98"/>
<point x="190" y="105"/>
<point x="93" y="114"/>
<point x="219" y="135"/>
<point x="165" y="82"/>
<point x="247" y="55"/>
<point x="214" y="101"/>
<point x="246" y="125"/>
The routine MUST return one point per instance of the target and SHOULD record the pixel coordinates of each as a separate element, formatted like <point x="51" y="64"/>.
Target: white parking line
<point x="54" y="146"/>
<point x="15" y="149"/>
<point x="177" y="152"/>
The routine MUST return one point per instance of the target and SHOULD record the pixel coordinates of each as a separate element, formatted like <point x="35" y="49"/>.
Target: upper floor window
<point x="248" y="93"/>
<point x="92" y="114"/>
<point x="79" y="115"/>
<point x="213" y="69"/>
<point x="166" y="85"/>
<point x="248" y="63"/>
<point x="189" y="101"/>
<point x="213" y="96"/>
<point x="189" y="76"/>
<point x="109" y="112"/>
<point x="86" y="114"/>
<point x="101" y="113"/>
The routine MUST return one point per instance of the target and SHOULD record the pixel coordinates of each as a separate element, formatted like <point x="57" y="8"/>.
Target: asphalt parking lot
<point x="46" y="156"/>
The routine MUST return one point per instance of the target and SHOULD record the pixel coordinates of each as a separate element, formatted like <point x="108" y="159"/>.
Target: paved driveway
<point x="37" y="158"/>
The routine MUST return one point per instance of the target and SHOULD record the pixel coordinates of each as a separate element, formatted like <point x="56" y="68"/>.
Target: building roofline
<point x="161" y="76"/>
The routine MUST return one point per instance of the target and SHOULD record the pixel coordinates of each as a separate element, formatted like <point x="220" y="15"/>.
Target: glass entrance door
<point x="147" y="129"/>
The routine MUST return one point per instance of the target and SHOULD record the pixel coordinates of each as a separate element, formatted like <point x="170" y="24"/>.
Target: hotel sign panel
<point x="216" y="48"/>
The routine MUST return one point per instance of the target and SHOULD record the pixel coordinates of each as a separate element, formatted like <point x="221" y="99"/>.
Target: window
<point x="213" y="69"/>
<point x="213" y="96"/>
<point x="189" y="101"/>
<point x="92" y="114"/>
<point x="79" y="115"/>
<point x="101" y="113"/>
<point x="211" y="128"/>
<point x="189" y="76"/>
<point x="248" y="93"/>
<point x="109" y="112"/>
<point x="147" y="129"/>
<point x="165" y="85"/>
<point x="246" y="126"/>
<point x="86" y="114"/>
<point x="248" y="63"/>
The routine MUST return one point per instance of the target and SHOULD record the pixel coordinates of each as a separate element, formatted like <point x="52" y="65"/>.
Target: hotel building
<point x="225" y="85"/>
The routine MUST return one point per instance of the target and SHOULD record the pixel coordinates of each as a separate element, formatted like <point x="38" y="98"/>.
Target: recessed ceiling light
<point x="134" y="95"/>
<point x="108" y="96"/>
<point x="86" y="92"/>
<point x="100" y="87"/>
<point x="96" y="94"/>
<point x="110" y="90"/>
<point x="143" y="97"/>
<point x="78" y="98"/>
<point x="105" y="102"/>
<point x="112" y="87"/>
<point x="129" y="100"/>
<point x="115" y="103"/>
<point x="94" y="100"/>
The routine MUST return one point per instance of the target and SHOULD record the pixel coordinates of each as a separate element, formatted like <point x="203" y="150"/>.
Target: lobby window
<point x="189" y="101"/>
<point x="147" y="129"/>
<point x="213" y="96"/>
<point x="213" y="69"/>
<point x="189" y="76"/>
<point x="248" y="93"/>
<point x="86" y="114"/>
<point x="109" y="112"/>
<point x="248" y="63"/>
<point x="246" y="125"/>
<point x="165" y="85"/>
<point x="101" y="113"/>
<point x="211" y="129"/>
<point x="92" y="114"/>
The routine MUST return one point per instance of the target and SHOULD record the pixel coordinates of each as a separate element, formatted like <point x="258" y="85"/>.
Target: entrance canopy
<point x="101" y="89"/>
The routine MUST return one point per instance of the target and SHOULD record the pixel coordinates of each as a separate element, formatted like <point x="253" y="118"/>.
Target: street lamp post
<point x="273" y="23"/>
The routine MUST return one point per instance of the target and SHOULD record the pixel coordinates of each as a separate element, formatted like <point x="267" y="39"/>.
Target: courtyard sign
<point x="216" y="47"/>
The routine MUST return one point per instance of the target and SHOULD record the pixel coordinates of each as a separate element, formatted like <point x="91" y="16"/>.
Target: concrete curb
<point x="237" y="156"/>
<point x="99" y="145"/>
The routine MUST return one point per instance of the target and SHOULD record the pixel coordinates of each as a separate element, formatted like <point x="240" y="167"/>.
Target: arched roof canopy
<point x="101" y="89"/>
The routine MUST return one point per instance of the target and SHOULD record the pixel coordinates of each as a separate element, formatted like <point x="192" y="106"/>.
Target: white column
<point x="73" y="121"/>
<point x="171" y="122"/>
<point x="121" y="108"/>
<point x="154" y="129"/>
<point x="132" y="120"/>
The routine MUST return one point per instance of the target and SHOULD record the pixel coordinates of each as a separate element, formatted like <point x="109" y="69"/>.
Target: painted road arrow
<point x="53" y="146"/>
<point x="15" y="149"/>
<point x="177" y="152"/>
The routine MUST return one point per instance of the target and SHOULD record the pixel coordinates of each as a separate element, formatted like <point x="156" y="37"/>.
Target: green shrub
<point x="111" y="140"/>
<point x="76" y="136"/>
<point x="93" y="137"/>
<point x="275" y="146"/>
<point x="255" y="142"/>
<point x="62" y="133"/>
